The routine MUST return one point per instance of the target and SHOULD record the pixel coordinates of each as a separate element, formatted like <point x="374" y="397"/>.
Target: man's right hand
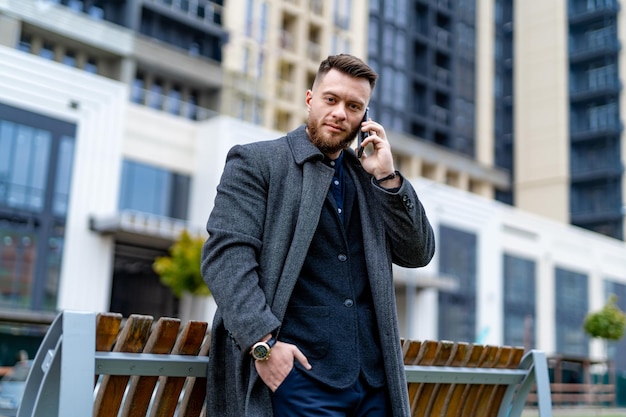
<point x="275" y="369"/>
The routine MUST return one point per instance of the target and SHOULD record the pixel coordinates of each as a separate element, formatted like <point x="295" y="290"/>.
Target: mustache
<point x="330" y="146"/>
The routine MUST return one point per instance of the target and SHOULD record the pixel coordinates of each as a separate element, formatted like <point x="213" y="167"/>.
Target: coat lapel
<point x="316" y="178"/>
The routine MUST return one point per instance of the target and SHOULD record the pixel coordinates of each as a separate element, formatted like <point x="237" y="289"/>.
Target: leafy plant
<point x="608" y="323"/>
<point x="180" y="271"/>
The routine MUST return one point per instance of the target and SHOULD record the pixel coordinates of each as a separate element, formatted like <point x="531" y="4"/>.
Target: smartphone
<point x="362" y="135"/>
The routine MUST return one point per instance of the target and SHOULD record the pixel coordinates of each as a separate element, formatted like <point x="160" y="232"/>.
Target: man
<point x="301" y="242"/>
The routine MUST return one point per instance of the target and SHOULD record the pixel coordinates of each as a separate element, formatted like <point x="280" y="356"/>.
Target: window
<point x="571" y="305"/>
<point x="155" y="98"/>
<point x="24" y="166"/>
<point x="173" y="103"/>
<point x="25" y="44"/>
<point x="249" y="17"/>
<point x="91" y="66"/>
<point x="602" y="77"/>
<point x="75" y="5"/>
<point x="137" y="90"/>
<point x="263" y="23"/>
<point x="36" y="163"/>
<point x="47" y="51"/>
<point x="603" y="116"/>
<point x="615" y="348"/>
<point x="154" y="190"/>
<point x="342" y="13"/>
<point x="69" y="59"/>
<point x="519" y="301"/>
<point x="457" y="259"/>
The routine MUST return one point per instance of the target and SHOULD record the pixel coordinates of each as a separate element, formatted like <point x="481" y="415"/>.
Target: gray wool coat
<point x="266" y="211"/>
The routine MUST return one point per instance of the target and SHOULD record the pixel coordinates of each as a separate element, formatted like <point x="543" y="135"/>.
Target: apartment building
<point x="532" y="88"/>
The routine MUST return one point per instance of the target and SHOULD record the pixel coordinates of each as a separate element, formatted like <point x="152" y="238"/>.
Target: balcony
<point x="207" y="12"/>
<point x="442" y="76"/>
<point x="592" y="48"/>
<point x="582" y="173"/>
<point x="591" y="89"/>
<point x="316" y="7"/>
<point x="287" y="41"/>
<point x="314" y="51"/>
<point x="440" y="115"/>
<point x="585" y="12"/>
<point x="586" y="218"/>
<point x="285" y="90"/>
<point x="442" y="38"/>
<point x="581" y="131"/>
<point x="170" y="104"/>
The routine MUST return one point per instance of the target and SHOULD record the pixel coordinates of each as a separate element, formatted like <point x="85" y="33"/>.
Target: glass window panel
<point x="174" y="101"/>
<point x="91" y="66"/>
<point x="75" y="5"/>
<point x="39" y="173"/>
<point x="7" y="130"/>
<point x="156" y="95"/>
<point x="519" y="301"/>
<point x="63" y="176"/>
<point x="571" y="305"/>
<point x="145" y="188"/>
<point x="46" y="51"/>
<point x="615" y="349"/>
<point x="17" y="266"/>
<point x="53" y="268"/>
<point x="457" y="311"/>
<point x="137" y="90"/>
<point x="24" y="44"/>
<point x="249" y="17"/>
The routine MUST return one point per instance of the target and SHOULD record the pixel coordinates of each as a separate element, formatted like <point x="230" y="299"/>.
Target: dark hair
<point x="349" y="65"/>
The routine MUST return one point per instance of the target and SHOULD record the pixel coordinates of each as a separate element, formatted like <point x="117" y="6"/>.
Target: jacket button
<point x="342" y="257"/>
<point x="348" y="302"/>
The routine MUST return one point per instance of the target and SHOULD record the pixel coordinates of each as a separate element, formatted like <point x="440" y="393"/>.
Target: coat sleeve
<point x="230" y="253"/>
<point x="409" y="232"/>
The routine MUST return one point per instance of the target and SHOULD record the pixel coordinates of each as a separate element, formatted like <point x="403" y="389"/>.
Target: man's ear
<point x="307" y="100"/>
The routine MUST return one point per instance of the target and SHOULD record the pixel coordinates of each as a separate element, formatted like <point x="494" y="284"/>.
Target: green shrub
<point x="608" y="323"/>
<point x="180" y="271"/>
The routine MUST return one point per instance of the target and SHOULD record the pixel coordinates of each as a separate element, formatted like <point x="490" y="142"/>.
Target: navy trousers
<point x="302" y="396"/>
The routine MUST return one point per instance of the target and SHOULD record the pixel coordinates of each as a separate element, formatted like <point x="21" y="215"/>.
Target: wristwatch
<point x="261" y="350"/>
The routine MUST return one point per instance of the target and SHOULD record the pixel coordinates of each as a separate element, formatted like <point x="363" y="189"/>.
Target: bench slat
<point x="132" y="338"/>
<point x="168" y="391"/>
<point x="455" y="354"/>
<point x="161" y="341"/>
<point x="195" y="390"/>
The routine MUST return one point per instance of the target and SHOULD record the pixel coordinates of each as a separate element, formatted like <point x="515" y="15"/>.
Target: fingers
<point x="302" y="359"/>
<point x="374" y="129"/>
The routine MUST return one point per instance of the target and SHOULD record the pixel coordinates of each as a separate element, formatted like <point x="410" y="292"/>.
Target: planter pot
<point x="197" y="307"/>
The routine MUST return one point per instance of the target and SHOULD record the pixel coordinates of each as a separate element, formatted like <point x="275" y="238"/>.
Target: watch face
<point x="260" y="351"/>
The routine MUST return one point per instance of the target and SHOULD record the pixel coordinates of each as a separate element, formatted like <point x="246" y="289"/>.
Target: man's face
<point x="336" y="106"/>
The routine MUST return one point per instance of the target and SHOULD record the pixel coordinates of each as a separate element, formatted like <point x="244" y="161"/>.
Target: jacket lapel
<point x="316" y="178"/>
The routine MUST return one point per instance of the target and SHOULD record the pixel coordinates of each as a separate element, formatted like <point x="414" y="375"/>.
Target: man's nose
<point x="339" y="112"/>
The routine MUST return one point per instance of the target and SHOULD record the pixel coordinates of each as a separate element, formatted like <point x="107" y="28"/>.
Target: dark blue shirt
<point x="336" y="186"/>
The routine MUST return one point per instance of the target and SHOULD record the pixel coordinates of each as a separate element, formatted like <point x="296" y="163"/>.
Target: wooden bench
<point x="459" y="379"/>
<point x="137" y="367"/>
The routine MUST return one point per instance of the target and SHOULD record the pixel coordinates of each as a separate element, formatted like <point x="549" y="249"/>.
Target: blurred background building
<point x="116" y="116"/>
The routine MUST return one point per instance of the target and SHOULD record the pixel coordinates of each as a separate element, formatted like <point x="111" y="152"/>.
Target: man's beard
<point x="329" y="147"/>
